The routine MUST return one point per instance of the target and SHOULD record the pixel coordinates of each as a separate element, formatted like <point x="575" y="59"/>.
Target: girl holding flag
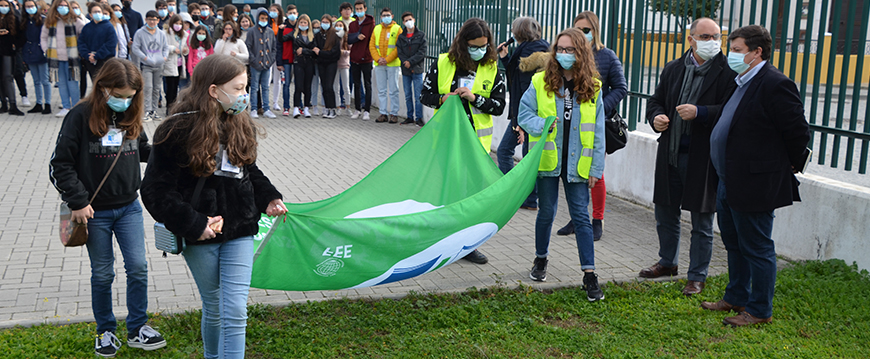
<point x="574" y="150"/>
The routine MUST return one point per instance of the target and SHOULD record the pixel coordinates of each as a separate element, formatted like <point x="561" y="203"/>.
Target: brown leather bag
<point x="73" y="234"/>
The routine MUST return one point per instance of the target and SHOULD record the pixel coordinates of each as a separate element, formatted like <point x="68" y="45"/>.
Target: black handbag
<point x="615" y="133"/>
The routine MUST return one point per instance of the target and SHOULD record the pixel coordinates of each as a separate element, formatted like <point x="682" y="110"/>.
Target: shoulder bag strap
<point x="117" y="156"/>
<point x="196" y="191"/>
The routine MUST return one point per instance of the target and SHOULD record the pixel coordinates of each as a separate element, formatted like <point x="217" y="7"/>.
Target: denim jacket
<point x="530" y="122"/>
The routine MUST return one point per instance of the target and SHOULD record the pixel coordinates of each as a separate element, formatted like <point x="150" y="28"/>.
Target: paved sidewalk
<point x="308" y="160"/>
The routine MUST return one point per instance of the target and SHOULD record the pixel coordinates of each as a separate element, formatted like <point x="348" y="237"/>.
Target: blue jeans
<point x="751" y="256"/>
<point x="505" y="155"/>
<point x="577" y="195"/>
<point x="259" y="80"/>
<point x="288" y="78"/>
<point x="127" y="224"/>
<point x="42" y="87"/>
<point x="222" y="272"/>
<point x="668" y="227"/>
<point x="69" y="88"/>
<point x="388" y="89"/>
<point x="412" y="85"/>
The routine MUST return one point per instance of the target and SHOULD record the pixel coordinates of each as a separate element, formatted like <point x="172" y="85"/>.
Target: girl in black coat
<point x="328" y="50"/>
<point x="11" y="39"/>
<point x="304" y="62"/>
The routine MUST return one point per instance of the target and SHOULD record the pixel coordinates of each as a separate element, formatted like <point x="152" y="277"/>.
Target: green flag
<point x="432" y="202"/>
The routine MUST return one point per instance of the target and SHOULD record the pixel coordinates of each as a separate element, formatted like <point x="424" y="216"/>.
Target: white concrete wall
<point x="833" y="221"/>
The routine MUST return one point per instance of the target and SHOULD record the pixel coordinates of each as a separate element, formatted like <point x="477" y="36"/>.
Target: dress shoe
<point x="693" y="287"/>
<point x="530" y="208"/>
<point x="721" y="306"/>
<point x="36" y="109"/>
<point x="46" y="109"/>
<point x="744" y="318"/>
<point x="568" y="229"/>
<point x="596" y="230"/>
<point x="476" y="257"/>
<point x="658" y="270"/>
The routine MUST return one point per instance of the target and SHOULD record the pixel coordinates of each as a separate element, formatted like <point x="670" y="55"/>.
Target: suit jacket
<point x="768" y="136"/>
<point x="699" y="188"/>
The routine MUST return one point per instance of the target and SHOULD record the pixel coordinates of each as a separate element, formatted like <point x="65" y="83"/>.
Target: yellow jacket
<point x="383" y="41"/>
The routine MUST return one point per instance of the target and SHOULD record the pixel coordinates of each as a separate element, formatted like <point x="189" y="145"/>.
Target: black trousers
<point x="171" y="90"/>
<point x="304" y="72"/>
<point x="327" y="81"/>
<point x="22" y="84"/>
<point x="362" y="72"/>
<point x="83" y="80"/>
<point x="8" y="87"/>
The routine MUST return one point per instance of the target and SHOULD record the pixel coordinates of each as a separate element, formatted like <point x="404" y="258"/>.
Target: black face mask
<point x="194" y="17"/>
<point x="127" y="4"/>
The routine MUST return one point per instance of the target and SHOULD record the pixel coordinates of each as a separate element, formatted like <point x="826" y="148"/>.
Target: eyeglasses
<point x="565" y="50"/>
<point x="707" y="37"/>
<point x="477" y="48"/>
<point x="585" y="30"/>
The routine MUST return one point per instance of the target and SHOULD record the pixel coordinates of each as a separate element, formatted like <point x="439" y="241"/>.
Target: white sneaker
<point x="62" y="113"/>
<point x="148" y="117"/>
<point x="254" y="114"/>
<point x="330" y="113"/>
<point x="354" y="115"/>
<point x="25" y="101"/>
<point x="277" y="107"/>
<point x="269" y="114"/>
<point x="366" y="116"/>
<point x="296" y="112"/>
<point x="315" y="111"/>
<point x="306" y="112"/>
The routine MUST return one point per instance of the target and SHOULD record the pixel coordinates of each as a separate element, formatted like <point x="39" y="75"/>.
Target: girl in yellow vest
<point x="573" y="149"/>
<point x="469" y="70"/>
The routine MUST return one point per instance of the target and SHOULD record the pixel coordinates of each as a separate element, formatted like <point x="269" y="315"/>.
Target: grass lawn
<point x="821" y="310"/>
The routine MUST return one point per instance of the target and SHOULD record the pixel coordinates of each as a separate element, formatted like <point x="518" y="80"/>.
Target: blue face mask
<point x="235" y="18"/>
<point x="263" y="23"/>
<point x="150" y="27"/>
<point x="219" y="17"/>
<point x="273" y="14"/>
<point x="31" y="10"/>
<point x="291" y="17"/>
<point x="324" y="26"/>
<point x="566" y="60"/>
<point x="4" y="10"/>
<point x="589" y="37"/>
<point x="236" y="106"/>
<point x="171" y="8"/>
<point x="316" y="30"/>
<point x="303" y="28"/>
<point x="162" y="13"/>
<point x="203" y="13"/>
<point x="118" y="14"/>
<point x="387" y="20"/>
<point x="360" y="14"/>
<point x="477" y="54"/>
<point x="118" y="104"/>
<point x="97" y="17"/>
<point x="735" y="62"/>
<point x="63" y="10"/>
<point x="77" y="12"/>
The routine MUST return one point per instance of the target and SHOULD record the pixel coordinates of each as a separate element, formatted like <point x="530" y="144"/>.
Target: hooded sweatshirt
<point x="99" y="38"/>
<point x="150" y="48"/>
<point x="261" y="45"/>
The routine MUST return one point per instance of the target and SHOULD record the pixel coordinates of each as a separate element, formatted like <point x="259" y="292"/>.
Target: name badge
<point x="113" y="138"/>
<point x="467" y="82"/>
<point x="226" y="166"/>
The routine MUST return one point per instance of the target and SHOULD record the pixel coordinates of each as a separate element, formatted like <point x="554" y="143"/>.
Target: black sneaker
<point x="476" y="257"/>
<point x="147" y="338"/>
<point x="419" y="122"/>
<point x="408" y="121"/>
<point x="596" y="230"/>
<point x="590" y="285"/>
<point x="539" y="270"/>
<point x="106" y="344"/>
<point x="568" y="229"/>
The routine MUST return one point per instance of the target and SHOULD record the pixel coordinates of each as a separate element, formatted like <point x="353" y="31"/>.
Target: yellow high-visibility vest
<point x="391" y="43"/>
<point x="546" y="108"/>
<point x="484" y="80"/>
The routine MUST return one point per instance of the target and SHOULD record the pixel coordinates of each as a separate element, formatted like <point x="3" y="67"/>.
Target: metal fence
<point x="832" y="73"/>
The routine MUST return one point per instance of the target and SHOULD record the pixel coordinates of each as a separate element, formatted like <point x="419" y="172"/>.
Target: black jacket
<point x="412" y="50"/>
<point x="699" y="187"/>
<point x="168" y="187"/>
<point x="80" y="161"/>
<point x="331" y="56"/>
<point x="519" y="81"/>
<point x="768" y="136"/>
<point x="307" y="54"/>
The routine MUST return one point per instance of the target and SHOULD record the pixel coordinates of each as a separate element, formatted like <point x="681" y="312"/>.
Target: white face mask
<point x="339" y="31"/>
<point x="707" y="49"/>
<point x="409" y="24"/>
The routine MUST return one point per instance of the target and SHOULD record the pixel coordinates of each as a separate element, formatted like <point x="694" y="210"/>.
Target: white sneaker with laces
<point x="296" y="112"/>
<point x="254" y="114"/>
<point x="306" y="112"/>
<point x="106" y="344"/>
<point x="25" y="101"/>
<point x="62" y="113"/>
<point x="147" y="339"/>
<point x="269" y="114"/>
<point x="148" y="117"/>
<point x="366" y="116"/>
<point x="355" y="115"/>
<point x="315" y="111"/>
<point x="330" y="113"/>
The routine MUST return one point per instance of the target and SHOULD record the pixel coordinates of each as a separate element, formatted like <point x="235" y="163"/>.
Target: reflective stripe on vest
<point x="391" y="42"/>
<point x="484" y="80"/>
<point x="546" y="108"/>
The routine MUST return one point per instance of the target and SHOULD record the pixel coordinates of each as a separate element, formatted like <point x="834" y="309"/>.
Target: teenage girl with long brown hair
<point x="209" y="140"/>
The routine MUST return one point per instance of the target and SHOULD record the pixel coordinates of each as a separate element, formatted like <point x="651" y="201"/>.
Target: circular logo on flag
<point x="329" y="267"/>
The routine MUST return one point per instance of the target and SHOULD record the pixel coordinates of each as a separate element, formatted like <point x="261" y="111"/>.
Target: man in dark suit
<point x="683" y="109"/>
<point x="756" y="147"/>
